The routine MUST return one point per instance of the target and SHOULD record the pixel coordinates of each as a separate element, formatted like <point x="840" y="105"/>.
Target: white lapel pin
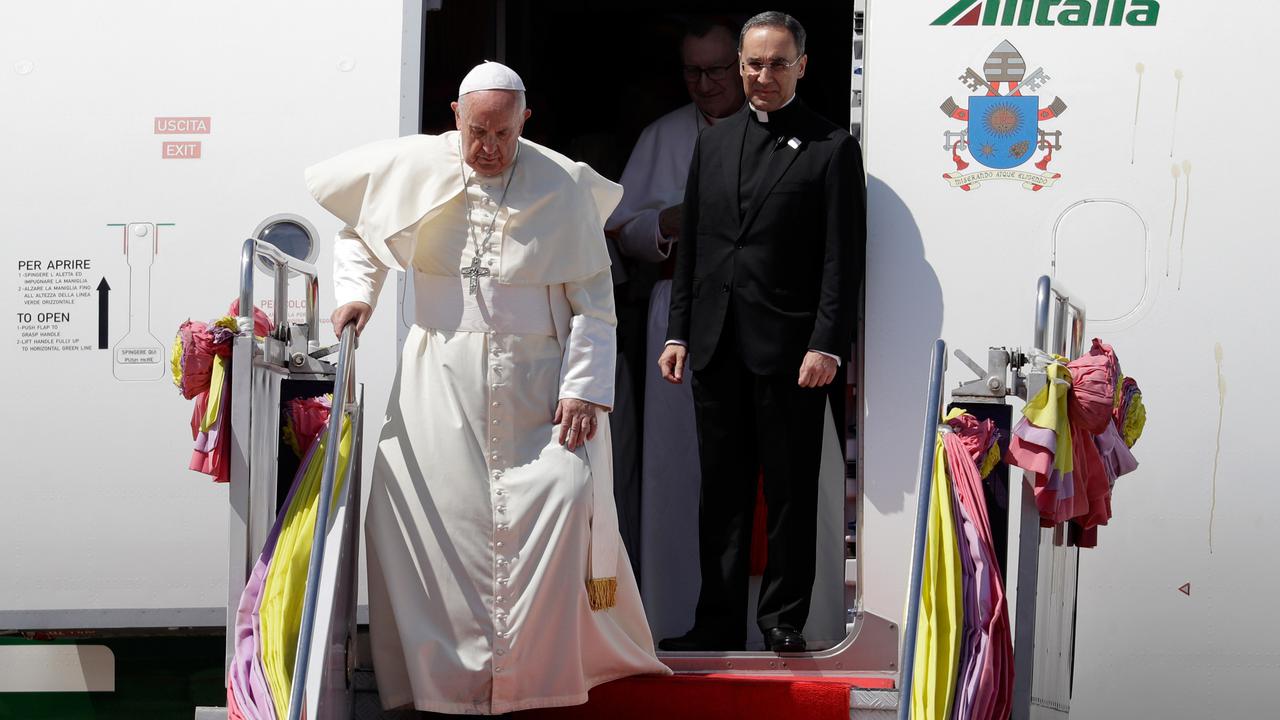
<point x="794" y="143"/>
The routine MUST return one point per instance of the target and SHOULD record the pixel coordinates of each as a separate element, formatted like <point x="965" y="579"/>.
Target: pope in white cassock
<point x="497" y="579"/>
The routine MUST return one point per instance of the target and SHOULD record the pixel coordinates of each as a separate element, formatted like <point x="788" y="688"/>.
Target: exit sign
<point x="180" y="150"/>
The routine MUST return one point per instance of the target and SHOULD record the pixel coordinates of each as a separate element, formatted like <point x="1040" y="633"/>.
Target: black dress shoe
<point x="784" y="640"/>
<point x="699" y="641"/>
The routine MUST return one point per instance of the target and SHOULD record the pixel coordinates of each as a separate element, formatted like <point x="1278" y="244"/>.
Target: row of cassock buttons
<point x="500" y="612"/>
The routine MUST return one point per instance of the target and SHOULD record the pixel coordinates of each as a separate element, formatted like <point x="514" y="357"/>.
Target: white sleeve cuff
<point x="833" y="357"/>
<point x="662" y="243"/>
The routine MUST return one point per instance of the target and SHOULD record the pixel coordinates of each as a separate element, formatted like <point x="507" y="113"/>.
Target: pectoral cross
<point x="474" y="273"/>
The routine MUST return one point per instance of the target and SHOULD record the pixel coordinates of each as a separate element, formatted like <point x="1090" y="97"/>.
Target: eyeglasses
<point x="715" y="73"/>
<point x="755" y="67"/>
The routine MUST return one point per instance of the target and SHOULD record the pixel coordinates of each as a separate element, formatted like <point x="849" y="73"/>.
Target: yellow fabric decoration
<point x="291" y="439"/>
<point x="1135" y="420"/>
<point x="175" y="361"/>
<point x="990" y="461"/>
<point x="1048" y="409"/>
<point x="216" y="378"/>
<point x="280" y="614"/>
<point x="940" y="622"/>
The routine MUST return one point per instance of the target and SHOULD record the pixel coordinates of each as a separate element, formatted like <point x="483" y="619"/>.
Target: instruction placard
<point x="52" y="292"/>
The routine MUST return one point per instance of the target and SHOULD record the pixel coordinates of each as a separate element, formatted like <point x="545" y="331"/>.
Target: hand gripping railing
<point x="932" y="419"/>
<point x="343" y="396"/>
<point x="1049" y="293"/>
<point x="282" y="263"/>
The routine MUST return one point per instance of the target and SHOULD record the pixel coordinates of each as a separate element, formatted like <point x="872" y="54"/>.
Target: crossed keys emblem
<point x="1002" y="120"/>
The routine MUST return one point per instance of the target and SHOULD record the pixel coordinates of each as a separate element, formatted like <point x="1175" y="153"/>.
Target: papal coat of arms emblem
<point x="1003" y="130"/>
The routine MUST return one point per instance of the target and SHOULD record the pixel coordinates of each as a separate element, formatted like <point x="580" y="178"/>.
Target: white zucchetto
<point x="490" y="75"/>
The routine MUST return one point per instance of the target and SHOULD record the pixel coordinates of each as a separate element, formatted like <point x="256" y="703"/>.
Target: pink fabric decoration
<point x="262" y="325"/>
<point x="984" y="686"/>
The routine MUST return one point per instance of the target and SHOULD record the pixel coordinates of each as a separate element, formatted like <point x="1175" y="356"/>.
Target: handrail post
<point x="1060" y="312"/>
<point x="341" y="389"/>
<point x="1077" y="331"/>
<point x="313" y="312"/>
<point x="933" y="416"/>
<point x="280" y="304"/>
<point x="1070" y="314"/>
<point x="247" y="255"/>
<point x="282" y="265"/>
<point x="344" y="394"/>
<point x="1044" y="291"/>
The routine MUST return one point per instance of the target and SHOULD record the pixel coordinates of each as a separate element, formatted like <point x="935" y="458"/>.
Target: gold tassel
<point x="602" y="593"/>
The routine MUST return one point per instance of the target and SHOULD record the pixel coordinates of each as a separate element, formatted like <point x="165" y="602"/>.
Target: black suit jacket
<point x="792" y="266"/>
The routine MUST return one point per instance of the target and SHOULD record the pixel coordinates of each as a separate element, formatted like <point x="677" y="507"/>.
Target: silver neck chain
<point x="482" y="245"/>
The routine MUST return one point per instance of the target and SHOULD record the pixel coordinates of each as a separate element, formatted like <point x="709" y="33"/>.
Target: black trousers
<point x="746" y="422"/>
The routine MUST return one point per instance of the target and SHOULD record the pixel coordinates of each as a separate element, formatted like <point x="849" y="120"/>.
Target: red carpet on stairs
<point x="715" y="697"/>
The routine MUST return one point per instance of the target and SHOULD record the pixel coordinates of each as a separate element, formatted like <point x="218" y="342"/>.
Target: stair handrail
<point x="1050" y="292"/>
<point x="282" y="264"/>
<point x="343" y="396"/>
<point x="932" y="420"/>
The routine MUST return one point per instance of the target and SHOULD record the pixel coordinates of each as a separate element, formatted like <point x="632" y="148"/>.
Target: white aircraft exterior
<point x="143" y="141"/>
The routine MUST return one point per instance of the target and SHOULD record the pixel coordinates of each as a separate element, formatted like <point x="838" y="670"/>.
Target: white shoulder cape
<point x="390" y="191"/>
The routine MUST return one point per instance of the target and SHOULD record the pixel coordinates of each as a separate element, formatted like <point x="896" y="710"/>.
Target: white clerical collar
<point x="763" y="116"/>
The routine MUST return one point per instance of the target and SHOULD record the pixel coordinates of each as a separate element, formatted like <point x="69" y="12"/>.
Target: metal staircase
<point x="265" y="372"/>
<point x="1042" y="595"/>
<point x="329" y="684"/>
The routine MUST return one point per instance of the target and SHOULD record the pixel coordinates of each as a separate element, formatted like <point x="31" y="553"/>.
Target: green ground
<point x="157" y="678"/>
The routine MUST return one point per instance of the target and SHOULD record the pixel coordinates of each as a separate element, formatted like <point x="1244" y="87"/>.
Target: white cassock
<point x="485" y="534"/>
<point x="654" y="179"/>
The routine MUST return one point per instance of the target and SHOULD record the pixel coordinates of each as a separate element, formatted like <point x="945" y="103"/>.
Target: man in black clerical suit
<point x="762" y="309"/>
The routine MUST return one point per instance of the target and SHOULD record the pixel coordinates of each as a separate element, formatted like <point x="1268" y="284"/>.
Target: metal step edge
<point x="873" y="699"/>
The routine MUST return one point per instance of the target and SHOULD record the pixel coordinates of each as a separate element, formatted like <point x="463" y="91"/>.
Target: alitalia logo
<point x="1051" y="12"/>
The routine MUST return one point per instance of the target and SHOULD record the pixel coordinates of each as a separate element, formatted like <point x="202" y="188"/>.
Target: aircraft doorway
<point x="597" y="74"/>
